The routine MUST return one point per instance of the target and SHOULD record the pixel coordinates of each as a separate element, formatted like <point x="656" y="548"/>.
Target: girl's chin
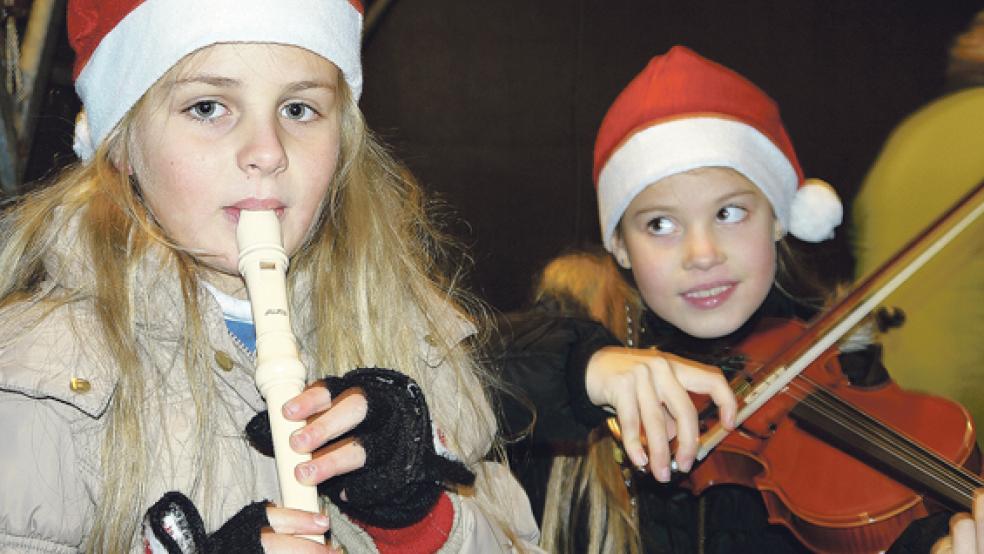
<point x="224" y="276"/>
<point x="710" y="329"/>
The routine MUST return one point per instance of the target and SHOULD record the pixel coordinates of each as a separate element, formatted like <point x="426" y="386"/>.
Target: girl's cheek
<point x="646" y="279"/>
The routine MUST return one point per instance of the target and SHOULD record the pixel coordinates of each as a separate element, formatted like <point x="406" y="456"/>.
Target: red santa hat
<point x="124" y="46"/>
<point x="684" y="112"/>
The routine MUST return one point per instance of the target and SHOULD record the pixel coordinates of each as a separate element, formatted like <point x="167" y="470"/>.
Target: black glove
<point x="173" y="525"/>
<point x="403" y="477"/>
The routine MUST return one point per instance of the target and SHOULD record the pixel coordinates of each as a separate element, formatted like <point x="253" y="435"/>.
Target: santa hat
<point x="124" y="46"/>
<point x="684" y="112"/>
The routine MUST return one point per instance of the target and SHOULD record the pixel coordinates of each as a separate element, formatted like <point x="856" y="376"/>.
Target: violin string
<point x="905" y="443"/>
<point x="847" y="416"/>
<point x="901" y="447"/>
<point x="939" y="479"/>
<point x="945" y="473"/>
<point x="887" y="439"/>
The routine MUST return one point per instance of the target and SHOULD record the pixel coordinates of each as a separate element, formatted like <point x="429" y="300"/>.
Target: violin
<point x="844" y="468"/>
<point x="839" y="465"/>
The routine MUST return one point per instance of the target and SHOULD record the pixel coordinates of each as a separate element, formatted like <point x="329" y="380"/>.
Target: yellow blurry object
<point x="932" y="159"/>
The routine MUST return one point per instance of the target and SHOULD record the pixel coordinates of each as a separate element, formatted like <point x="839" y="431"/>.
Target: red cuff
<point x="424" y="537"/>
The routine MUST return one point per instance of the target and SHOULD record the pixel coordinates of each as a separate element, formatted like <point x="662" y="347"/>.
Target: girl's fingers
<point x="658" y="401"/>
<point x="962" y="530"/>
<point x="313" y="400"/>
<point x="942" y="546"/>
<point x="979" y="520"/>
<point x="683" y="412"/>
<point x="287" y="544"/>
<point x="348" y="410"/>
<point x="335" y="459"/>
<point x="654" y="424"/>
<point x="627" y="411"/>
<point x="710" y="381"/>
<point x="285" y="522"/>
<point x="296" y="522"/>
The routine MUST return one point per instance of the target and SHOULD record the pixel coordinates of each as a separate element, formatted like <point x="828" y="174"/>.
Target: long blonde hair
<point x="372" y="275"/>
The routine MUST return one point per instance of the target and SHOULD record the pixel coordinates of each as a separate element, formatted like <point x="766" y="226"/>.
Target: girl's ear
<point x="619" y="251"/>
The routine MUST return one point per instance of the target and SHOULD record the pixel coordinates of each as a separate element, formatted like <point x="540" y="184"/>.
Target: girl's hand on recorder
<point x="376" y="421"/>
<point x="173" y="525"/>
<point x="648" y="390"/>
<point x="327" y="420"/>
<point x="284" y="523"/>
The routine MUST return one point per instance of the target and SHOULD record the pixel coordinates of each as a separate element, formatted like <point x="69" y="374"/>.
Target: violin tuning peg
<point x="889" y="317"/>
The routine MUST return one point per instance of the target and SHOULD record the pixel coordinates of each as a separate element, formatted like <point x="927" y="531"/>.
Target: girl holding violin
<point x="697" y="185"/>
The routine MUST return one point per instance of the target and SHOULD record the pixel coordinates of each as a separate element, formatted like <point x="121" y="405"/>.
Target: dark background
<point x="494" y="103"/>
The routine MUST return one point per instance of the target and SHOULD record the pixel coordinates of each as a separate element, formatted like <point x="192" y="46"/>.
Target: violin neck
<point x="841" y="424"/>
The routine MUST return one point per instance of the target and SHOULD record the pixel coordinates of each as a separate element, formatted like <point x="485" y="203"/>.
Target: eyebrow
<point x="307" y="85"/>
<point x="213" y="80"/>
<point x="226" y="82"/>
<point x="735" y="194"/>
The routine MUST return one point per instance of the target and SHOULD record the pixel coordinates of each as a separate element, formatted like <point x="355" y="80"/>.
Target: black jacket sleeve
<point x="542" y="360"/>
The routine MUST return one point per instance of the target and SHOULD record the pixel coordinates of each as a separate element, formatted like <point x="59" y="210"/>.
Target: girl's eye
<point x="661" y="225"/>
<point x="298" y="111"/>
<point x="732" y="214"/>
<point x="206" y="110"/>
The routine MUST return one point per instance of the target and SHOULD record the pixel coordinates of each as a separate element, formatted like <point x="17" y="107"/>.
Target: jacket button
<point x="224" y="360"/>
<point x="429" y="339"/>
<point x="79" y="385"/>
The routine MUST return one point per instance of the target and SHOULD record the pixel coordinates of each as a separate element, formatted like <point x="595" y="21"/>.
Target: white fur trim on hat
<point x="680" y="145"/>
<point x="158" y="33"/>
<point x="816" y="211"/>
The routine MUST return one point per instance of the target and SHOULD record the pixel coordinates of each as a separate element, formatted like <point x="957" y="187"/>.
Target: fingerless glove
<point x="403" y="476"/>
<point x="174" y="526"/>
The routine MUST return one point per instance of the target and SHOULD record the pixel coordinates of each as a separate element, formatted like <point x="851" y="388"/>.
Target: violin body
<point x="832" y="492"/>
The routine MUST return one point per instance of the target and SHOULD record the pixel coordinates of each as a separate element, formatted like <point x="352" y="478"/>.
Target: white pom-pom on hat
<point x="815" y="212"/>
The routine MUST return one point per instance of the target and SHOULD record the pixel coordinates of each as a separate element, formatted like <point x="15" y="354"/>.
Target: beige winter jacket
<point x="56" y="381"/>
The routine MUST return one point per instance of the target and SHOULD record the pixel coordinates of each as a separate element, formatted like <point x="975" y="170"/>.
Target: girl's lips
<point x="254" y="204"/>
<point x="707" y="297"/>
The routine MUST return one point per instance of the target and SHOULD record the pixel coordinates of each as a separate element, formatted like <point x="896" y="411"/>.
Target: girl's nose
<point x="702" y="250"/>
<point x="263" y="152"/>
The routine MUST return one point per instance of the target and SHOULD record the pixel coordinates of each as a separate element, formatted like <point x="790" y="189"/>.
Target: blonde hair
<point x="372" y="274"/>
<point x="589" y="281"/>
<point x="588" y="488"/>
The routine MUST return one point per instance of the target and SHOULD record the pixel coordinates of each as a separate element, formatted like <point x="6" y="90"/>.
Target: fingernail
<point x="306" y="471"/>
<point x="664" y="475"/>
<point x="298" y="438"/>
<point x="321" y="520"/>
<point x="290" y="408"/>
<point x="640" y="460"/>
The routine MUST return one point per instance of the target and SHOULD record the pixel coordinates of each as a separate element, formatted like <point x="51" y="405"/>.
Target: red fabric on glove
<point x="424" y="537"/>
